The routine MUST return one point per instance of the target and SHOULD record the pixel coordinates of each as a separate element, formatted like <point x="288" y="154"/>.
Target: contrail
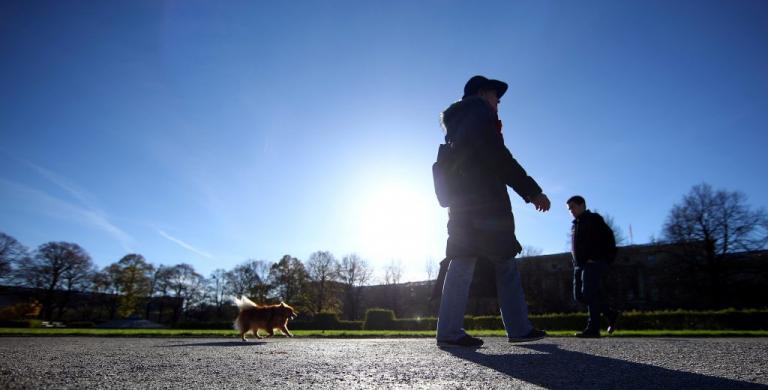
<point x="184" y="244"/>
<point x="58" y="208"/>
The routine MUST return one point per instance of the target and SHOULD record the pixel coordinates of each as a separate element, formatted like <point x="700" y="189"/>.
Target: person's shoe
<point x="588" y="334"/>
<point x="534" y="334"/>
<point x="463" y="341"/>
<point x="611" y="319"/>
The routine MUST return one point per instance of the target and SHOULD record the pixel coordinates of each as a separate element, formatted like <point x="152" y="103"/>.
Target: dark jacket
<point x="480" y="221"/>
<point x="591" y="239"/>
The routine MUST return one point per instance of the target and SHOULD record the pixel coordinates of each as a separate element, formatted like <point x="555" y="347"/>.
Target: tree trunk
<point x="148" y="309"/>
<point x="48" y="305"/>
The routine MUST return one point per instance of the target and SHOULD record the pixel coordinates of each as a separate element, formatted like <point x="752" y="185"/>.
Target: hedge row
<point x="384" y="319"/>
<point x="326" y="321"/>
<point x="204" y="325"/>
<point x="21" y="324"/>
<point x="730" y="319"/>
<point x="680" y="319"/>
<point x="81" y="324"/>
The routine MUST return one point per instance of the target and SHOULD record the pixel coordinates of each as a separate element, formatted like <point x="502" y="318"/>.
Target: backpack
<point x="444" y="174"/>
<point x="608" y="242"/>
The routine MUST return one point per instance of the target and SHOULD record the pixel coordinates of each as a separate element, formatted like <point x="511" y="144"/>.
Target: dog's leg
<point x="240" y="328"/>
<point x="271" y="332"/>
<point x="256" y="333"/>
<point x="285" y="331"/>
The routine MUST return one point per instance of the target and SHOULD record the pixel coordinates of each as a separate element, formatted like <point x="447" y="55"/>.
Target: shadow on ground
<point x="232" y="343"/>
<point x="557" y="368"/>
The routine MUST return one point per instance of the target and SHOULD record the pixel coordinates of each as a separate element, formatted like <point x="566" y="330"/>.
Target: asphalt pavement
<point x="558" y="363"/>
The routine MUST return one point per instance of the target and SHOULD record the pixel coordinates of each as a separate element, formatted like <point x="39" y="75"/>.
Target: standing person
<point x="471" y="175"/>
<point x="593" y="249"/>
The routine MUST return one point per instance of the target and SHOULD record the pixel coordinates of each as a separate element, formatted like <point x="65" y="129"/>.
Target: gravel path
<point x="89" y="362"/>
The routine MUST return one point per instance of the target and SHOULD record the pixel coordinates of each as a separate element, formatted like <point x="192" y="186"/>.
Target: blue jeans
<point x="453" y="304"/>
<point x="586" y="290"/>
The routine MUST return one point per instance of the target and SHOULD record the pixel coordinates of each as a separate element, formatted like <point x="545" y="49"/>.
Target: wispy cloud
<point x="87" y="212"/>
<point x="62" y="182"/>
<point x="184" y="244"/>
<point x="42" y="202"/>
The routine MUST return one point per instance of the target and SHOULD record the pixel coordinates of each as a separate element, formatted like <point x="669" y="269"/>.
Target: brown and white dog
<point x="253" y="317"/>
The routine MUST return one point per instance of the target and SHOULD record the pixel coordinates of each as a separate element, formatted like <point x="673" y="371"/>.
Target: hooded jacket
<point x="481" y="223"/>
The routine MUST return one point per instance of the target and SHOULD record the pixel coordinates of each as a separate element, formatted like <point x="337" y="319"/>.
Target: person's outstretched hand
<point x="541" y="202"/>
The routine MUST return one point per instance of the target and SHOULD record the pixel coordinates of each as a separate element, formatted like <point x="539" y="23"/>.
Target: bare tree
<point x="711" y="225"/>
<point x="52" y="264"/>
<point x="530" y="251"/>
<point x="618" y="233"/>
<point x="393" y="272"/>
<point x="78" y="277"/>
<point x="323" y="272"/>
<point x="11" y="251"/>
<point x="104" y="281"/>
<point x="217" y="288"/>
<point x="251" y="279"/>
<point x="431" y="268"/>
<point x="186" y="284"/>
<point x="160" y="281"/>
<point x="159" y="286"/>
<point x="354" y="272"/>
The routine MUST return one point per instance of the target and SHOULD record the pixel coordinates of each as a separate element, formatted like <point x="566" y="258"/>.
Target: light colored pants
<point x="453" y="304"/>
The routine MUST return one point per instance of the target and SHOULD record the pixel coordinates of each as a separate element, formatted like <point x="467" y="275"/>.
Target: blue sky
<point x="214" y="132"/>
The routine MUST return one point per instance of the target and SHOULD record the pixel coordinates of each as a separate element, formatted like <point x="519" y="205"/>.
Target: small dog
<point x="253" y="317"/>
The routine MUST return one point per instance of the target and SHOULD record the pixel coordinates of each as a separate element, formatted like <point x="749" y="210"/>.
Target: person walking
<point x="471" y="175"/>
<point x="593" y="249"/>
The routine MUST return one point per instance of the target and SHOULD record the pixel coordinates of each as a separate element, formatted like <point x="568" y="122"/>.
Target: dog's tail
<point x="244" y="303"/>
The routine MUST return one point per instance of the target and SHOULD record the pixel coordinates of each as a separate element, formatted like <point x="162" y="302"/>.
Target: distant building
<point x="407" y="300"/>
<point x="651" y="277"/>
<point x="643" y="277"/>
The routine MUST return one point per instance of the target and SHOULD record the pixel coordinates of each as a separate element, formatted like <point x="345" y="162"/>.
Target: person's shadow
<point x="555" y="368"/>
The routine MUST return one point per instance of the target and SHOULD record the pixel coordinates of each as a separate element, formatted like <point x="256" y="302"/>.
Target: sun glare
<point x="396" y="221"/>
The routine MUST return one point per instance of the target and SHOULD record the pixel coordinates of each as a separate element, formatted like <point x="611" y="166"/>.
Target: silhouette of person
<point x="593" y="247"/>
<point x="471" y="176"/>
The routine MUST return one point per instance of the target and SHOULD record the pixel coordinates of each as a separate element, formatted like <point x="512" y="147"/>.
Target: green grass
<point x="354" y="333"/>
